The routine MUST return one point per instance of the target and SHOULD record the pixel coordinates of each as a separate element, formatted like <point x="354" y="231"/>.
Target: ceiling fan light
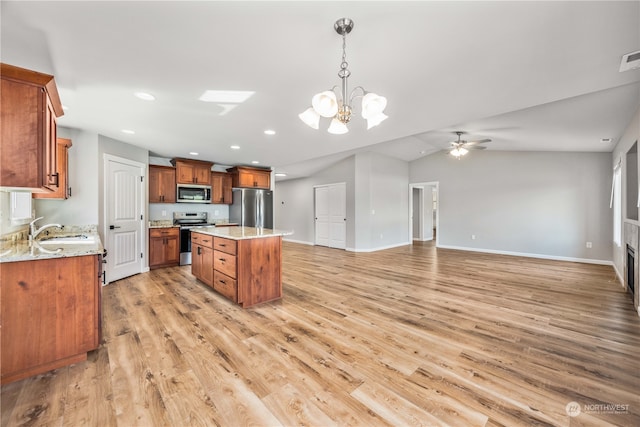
<point x="376" y="120"/>
<point x="462" y="151"/>
<point x="337" y="127"/>
<point x="372" y="105"/>
<point x="310" y="118"/>
<point x="325" y="103"/>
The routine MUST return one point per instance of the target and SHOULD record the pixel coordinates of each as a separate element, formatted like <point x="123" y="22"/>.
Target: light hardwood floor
<point x="412" y="336"/>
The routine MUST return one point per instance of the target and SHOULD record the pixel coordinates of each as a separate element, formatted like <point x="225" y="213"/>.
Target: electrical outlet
<point x="473" y="237"/>
<point x="216" y="213"/>
<point x="589" y="245"/>
<point x="164" y="213"/>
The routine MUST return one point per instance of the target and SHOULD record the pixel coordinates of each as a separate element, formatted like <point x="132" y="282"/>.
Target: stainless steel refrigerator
<point x="252" y="207"/>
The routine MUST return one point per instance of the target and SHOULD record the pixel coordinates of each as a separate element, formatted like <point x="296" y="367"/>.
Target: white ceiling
<point x="528" y="75"/>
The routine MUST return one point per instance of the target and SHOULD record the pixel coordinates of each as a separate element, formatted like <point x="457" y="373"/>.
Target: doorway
<point x="424" y="212"/>
<point x="331" y="215"/>
<point x="124" y="230"/>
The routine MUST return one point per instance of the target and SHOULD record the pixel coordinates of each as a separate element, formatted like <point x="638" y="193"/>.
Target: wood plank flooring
<point x="412" y="336"/>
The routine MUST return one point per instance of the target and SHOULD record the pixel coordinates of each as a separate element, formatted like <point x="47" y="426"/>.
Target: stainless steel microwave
<point x="193" y="193"/>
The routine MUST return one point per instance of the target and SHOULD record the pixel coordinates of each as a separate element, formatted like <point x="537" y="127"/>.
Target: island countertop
<point x="241" y="232"/>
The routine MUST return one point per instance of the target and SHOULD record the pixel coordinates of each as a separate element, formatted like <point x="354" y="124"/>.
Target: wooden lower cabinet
<point x="50" y="314"/>
<point x="164" y="247"/>
<point x="202" y="257"/>
<point x="247" y="271"/>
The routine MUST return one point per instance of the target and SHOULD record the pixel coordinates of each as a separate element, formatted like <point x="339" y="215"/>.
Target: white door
<point x="331" y="216"/>
<point x="124" y="225"/>
<point x="337" y="216"/>
<point x="322" y="216"/>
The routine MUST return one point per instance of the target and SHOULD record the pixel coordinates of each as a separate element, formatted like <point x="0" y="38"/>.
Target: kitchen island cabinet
<point x="247" y="263"/>
<point x="50" y="313"/>
<point x="202" y="257"/>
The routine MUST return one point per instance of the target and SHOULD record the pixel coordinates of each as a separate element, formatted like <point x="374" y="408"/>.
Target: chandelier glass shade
<point x="338" y="106"/>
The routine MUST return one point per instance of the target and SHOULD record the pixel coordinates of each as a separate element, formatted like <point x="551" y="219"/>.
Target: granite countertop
<point x="240" y="232"/>
<point x="23" y="250"/>
<point x="169" y="223"/>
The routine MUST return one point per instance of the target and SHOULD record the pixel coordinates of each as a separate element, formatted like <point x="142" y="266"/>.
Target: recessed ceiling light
<point x="146" y="96"/>
<point x="235" y="147"/>
<point x="281" y="174"/>
<point x="193" y="153"/>
<point x="255" y="162"/>
<point x="224" y="96"/>
<point x="269" y="132"/>
<point x="605" y="140"/>
<point x="128" y="131"/>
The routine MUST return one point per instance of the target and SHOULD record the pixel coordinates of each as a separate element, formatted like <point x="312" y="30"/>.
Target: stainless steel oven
<point x="187" y="221"/>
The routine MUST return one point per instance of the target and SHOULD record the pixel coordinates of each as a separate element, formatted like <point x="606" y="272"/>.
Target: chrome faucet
<point x="33" y="232"/>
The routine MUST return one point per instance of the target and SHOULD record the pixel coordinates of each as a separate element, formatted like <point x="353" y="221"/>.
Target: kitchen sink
<point x="80" y="239"/>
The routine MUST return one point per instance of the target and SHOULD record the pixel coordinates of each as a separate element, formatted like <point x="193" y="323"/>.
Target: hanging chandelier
<point x="327" y="104"/>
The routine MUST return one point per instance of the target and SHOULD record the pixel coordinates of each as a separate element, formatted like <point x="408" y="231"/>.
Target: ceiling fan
<point x="461" y="147"/>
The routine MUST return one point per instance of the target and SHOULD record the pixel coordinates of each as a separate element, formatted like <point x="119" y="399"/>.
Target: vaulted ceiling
<point x="528" y="75"/>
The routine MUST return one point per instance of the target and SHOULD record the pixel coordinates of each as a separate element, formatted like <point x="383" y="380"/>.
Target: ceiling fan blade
<point x="480" y="141"/>
<point x="476" y="147"/>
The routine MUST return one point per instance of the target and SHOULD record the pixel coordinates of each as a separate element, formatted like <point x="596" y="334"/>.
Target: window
<point x="616" y="204"/>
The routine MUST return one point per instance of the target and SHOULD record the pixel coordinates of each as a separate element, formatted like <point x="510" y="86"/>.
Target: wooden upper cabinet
<point x="64" y="189"/>
<point x="29" y="108"/>
<point x="162" y="184"/>
<point x="248" y="177"/>
<point x="221" y="188"/>
<point x="192" y="171"/>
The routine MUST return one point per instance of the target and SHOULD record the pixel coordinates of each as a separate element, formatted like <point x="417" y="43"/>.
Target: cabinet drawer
<point x="225" y="245"/>
<point x="164" y="232"/>
<point x="224" y="263"/>
<point x="202" y="240"/>
<point x="226" y="285"/>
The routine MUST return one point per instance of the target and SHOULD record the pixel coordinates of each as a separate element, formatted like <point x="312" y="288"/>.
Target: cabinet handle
<point x="221" y="259"/>
<point x="57" y="178"/>
<point x="222" y="244"/>
<point x="69" y="191"/>
<point x="104" y="277"/>
<point x="198" y="250"/>
<point x="223" y="282"/>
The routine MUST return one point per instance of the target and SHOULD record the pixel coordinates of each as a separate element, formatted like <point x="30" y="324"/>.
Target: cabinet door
<point x="217" y="195"/>
<point x="262" y="179"/>
<point x="162" y="184"/>
<point x="49" y="312"/>
<point x="245" y="180"/>
<point x="202" y="174"/>
<point x="227" y="192"/>
<point x="172" y="250"/>
<point x="64" y="190"/>
<point x="168" y="185"/>
<point x="52" y="176"/>
<point x="185" y="173"/>
<point x="196" y="259"/>
<point x="156" y="251"/>
<point x="206" y="274"/>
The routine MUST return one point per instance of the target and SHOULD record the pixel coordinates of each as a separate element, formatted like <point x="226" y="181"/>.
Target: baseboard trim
<point x="298" y="241"/>
<point x="530" y="255"/>
<point x="380" y="248"/>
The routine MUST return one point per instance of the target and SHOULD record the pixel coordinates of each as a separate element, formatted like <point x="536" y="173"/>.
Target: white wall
<point x="545" y="204"/>
<point x="630" y="135"/>
<point x="377" y="202"/>
<point x="82" y="207"/>
<point x="294" y="205"/>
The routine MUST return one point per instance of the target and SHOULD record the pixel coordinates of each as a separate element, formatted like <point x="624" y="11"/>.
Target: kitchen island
<point x="242" y="263"/>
